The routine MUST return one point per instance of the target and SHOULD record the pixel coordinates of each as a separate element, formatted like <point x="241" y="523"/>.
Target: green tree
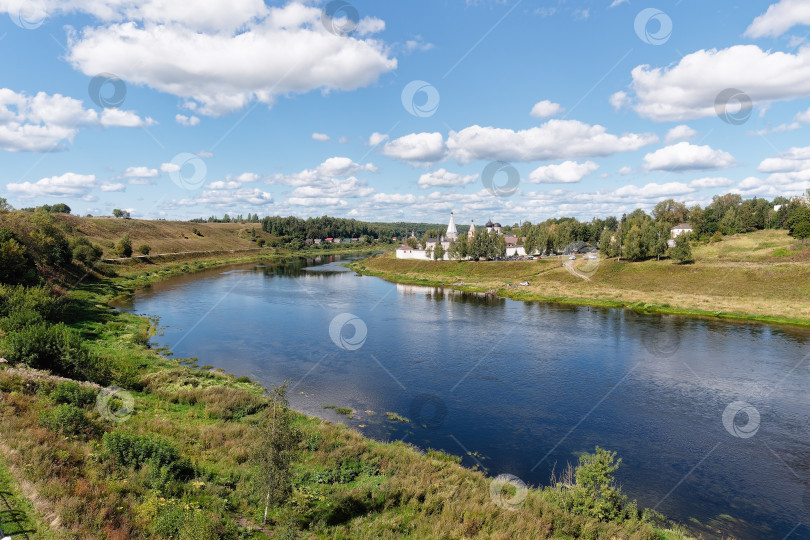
<point x="15" y="263"/>
<point x="682" y="251"/>
<point x="124" y="247"/>
<point x="657" y="235"/>
<point x="144" y="249"/>
<point x="594" y="475"/>
<point x="798" y="215"/>
<point x="411" y="241"/>
<point x="260" y="242"/>
<point x="276" y="446"/>
<point x="670" y="212"/>
<point x="117" y="212"/>
<point x="634" y="247"/>
<point x="4" y="206"/>
<point x="438" y="252"/>
<point x="802" y="231"/>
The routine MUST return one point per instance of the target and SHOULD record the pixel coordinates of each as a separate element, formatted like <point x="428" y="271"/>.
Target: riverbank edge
<point x="638" y="307"/>
<point x="128" y="284"/>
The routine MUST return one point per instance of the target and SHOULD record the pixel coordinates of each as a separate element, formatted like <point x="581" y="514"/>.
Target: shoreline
<point x="640" y="307"/>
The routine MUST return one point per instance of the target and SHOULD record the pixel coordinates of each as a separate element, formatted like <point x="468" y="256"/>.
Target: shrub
<point x="260" y="242"/>
<point x="16" y="266"/>
<point x="144" y="249"/>
<point x="20" y="319"/>
<point x="132" y="450"/>
<point x="74" y="394"/>
<point x="716" y="237"/>
<point x="65" y="418"/>
<point x="38" y="299"/>
<point x="124" y="247"/>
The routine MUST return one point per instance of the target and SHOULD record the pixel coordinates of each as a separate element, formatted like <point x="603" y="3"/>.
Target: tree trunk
<point x="266" y="507"/>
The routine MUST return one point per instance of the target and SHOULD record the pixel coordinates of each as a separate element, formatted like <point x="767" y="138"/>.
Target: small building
<point x="681" y="228"/>
<point x="317" y="241"/>
<point x="355" y="240"/>
<point x="309" y="241"/>
<point x="330" y="240"/>
<point x="347" y="240"/>
<point x="511" y="240"/>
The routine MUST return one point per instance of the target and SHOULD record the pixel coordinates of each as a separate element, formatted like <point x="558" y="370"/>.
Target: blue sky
<point x="393" y="111"/>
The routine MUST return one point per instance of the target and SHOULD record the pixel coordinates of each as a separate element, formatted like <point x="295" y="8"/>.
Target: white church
<point x="407" y="252"/>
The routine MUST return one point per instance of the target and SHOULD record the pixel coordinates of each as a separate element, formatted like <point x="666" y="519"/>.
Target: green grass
<point x="345" y="485"/>
<point x="394" y="417"/>
<point x="755" y="277"/>
<point x="18" y="518"/>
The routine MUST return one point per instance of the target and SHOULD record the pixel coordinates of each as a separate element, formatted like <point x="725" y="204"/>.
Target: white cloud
<point x="343" y="140"/>
<point x="321" y="137"/>
<point x="169" y="167"/>
<point x="680" y="133"/>
<point x="140" y="172"/>
<point x="566" y="172"/>
<point x="245" y="178"/>
<point x="545" y="108"/>
<point x="794" y="160"/>
<point x="113" y="187"/>
<point x="689" y="88"/>
<point x="687" y="157"/>
<point x="239" y="198"/>
<point x="653" y="190"/>
<point x="443" y="178"/>
<point x="187" y="52"/>
<point x="45" y="122"/>
<point x="417" y="148"/>
<point x="619" y="100"/>
<point x="188" y="121"/>
<point x="224" y="185"/>
<point x="703" y="183"/>
<point x="67" y="185"/>
<point x="780" y="18"/>
<point x="377" y="138"/>
<point x="204" y="154"/>
<point x="325" y="176"/>
<point x="624" y="171"/>
<point x="803" y="117"/>
<point x="618" y="3"/>
<point x="556" y="139"/>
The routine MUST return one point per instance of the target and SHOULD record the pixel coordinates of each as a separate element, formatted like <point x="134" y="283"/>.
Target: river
<point x="710" y="418"/>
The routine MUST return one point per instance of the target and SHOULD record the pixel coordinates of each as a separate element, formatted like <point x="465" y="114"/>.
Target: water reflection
<point x="522" y="386"/>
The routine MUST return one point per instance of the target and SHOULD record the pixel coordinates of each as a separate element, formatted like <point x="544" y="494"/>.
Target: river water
<point x="710" y="418"/>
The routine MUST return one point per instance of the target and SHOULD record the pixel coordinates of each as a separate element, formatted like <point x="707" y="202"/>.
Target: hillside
<point x="761" y="275"/>
<point x="165" y="236"/>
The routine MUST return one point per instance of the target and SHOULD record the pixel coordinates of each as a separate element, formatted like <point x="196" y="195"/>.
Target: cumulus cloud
<point x="417" y="148"/>
<point x="556" y="139"/>
<point x="684" y="156"/>
<point x="689" y="88"/>
<point x="46" y="123"/>
<point x="443" y="178"/>
<point x="67" y="185"/>
<point x="321" y="137"/>
<point x="140" y="172"/>
<point x="794" y="160"/>
<point x="221" y="184"/>
<point x="566" y="172"/>
<point x="377" y="138"/>
<point x="113" y="187"/>
<point x="220" y="198"/>
<point x="188" y="121"/>
<point x="245" y="178"/>
<point x="780" y="18"/>
<point x="206" y="56"/>
<point x="715" y="182"/>
<point x="625" y="170"/>
<point x="334" y="178"/>
<point x="680" y="133"/>
<point x="545" y="109"/>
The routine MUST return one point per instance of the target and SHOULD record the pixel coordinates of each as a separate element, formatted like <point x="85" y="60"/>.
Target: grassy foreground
<point x="760" y="276"/>
<point x="58" y="466"/>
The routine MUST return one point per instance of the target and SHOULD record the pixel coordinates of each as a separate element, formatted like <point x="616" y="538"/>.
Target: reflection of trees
<point x="440" y="294"/>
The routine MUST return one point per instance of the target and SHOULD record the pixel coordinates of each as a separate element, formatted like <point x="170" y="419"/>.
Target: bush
<point x="131" y="450"/>
<point x="20" y="319"/>
<point x="682" y="251"/>
<point x="37" y="299"/>
<point x="144" y="249"/>
<point x="16" y="266"/>
<point x="260" y="242"/>
<point x="124" y="247"/>
<point x="83" y="251"/>
<point x="56" y="348"/>
<point x="716" y="237"/>
<point x="65" y="418"/>
<point x="73" y="394"/>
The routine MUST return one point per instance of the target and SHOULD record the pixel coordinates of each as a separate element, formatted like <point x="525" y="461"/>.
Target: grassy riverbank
<point x="206" y="423"/>
<point x="761" y="277"/>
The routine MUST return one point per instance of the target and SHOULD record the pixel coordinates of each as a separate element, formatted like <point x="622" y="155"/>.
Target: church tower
<point x="452" y="233"/>
<point x="471" y="232"/>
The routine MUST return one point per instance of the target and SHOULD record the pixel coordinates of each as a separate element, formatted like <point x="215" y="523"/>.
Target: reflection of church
<point x="407" y="252"/>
